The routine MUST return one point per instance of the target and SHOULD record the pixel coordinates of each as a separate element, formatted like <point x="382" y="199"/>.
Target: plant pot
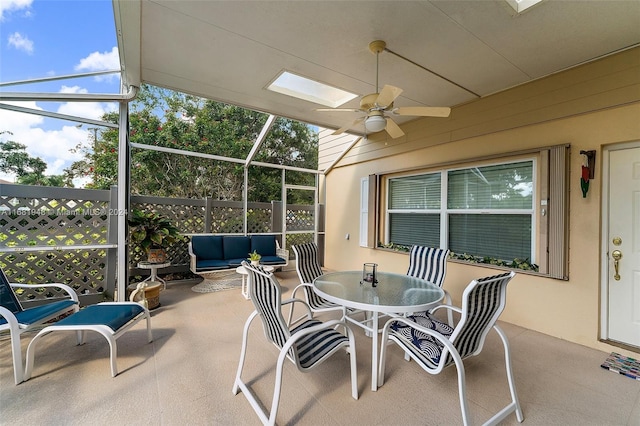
<point x="156" y="256"/>
<point x="255" y="262"/>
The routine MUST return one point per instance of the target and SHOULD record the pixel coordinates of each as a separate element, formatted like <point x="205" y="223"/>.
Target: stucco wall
<point x="565" y="309"/>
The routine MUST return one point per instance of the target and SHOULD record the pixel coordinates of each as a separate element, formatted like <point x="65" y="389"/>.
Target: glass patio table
<point x="394" y="294"/>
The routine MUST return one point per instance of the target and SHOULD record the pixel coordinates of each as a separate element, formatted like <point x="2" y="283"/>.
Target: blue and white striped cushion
<point x="315" y="346"/>
<point x="308" y="268"/>
<point x="428" y="263"/>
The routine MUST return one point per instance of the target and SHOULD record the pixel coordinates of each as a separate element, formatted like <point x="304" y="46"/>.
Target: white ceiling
<point x="231" y="50"/>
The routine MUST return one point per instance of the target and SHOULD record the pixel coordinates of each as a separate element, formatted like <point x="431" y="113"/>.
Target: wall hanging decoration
<point x="588" y="170"/>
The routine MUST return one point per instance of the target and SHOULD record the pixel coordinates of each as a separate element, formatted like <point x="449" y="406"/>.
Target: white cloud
<point x="21" y="42"/>
<point x="104" y="61"/>
<point x="9" y="6"/>
<point x="53" y="146"/>
<point x="94" y="110"/>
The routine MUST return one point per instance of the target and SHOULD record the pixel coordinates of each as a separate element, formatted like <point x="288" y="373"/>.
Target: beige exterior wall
<point x="588" y="107"/>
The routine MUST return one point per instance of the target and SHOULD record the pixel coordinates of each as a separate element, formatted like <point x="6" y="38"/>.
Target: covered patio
<point x="186" y="374"/>
<point x="533" y="84"/>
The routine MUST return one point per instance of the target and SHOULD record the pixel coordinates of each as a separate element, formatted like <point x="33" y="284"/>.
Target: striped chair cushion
<point x="308" y="269"/>
<point x="315" y="346"/>
<point x="428" y="263"/>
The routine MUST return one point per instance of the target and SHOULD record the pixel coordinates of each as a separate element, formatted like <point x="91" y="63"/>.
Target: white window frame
<point x="445" y="212"/>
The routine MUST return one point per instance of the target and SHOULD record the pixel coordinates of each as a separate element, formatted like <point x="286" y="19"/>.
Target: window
<point x="414" y="210"/>
<point x="497" y="211"/>
<point x="490" y="211"/>
<point x="483" y="205"/>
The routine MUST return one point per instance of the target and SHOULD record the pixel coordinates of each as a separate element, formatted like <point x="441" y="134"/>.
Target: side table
<point x="154" y="271"/>
<point x="245" y="279"/>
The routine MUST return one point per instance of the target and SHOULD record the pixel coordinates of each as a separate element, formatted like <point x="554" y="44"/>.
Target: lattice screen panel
<point x="52" y="222"/>
<point x="258" y="221"/>
<point x="83" y="270"/>
<point x="300" y="219"/>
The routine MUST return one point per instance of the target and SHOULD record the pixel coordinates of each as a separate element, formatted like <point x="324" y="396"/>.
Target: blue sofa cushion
<point x="207" y="247"/>
<point x="265" y="245"/>
<point x="211" y="264"/>
<point x="236" y="248"/>
<point x="272" y="260"/>
<point x="234" y="263"/>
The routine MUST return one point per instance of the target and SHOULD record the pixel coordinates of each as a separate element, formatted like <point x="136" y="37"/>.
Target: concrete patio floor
<point x="186" y="375"/>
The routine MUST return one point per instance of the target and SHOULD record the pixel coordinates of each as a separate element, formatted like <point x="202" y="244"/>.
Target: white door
<point x="623" y="246"/>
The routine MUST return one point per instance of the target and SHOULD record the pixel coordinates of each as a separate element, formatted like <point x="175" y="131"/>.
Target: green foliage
<point x="168" y="119"/>
<point x="395" y="247"/>
<point x="522" y="264"/>
<point x="151" y="230"/>
<point x="254" y="256"/>
<point x="14" y="159"/>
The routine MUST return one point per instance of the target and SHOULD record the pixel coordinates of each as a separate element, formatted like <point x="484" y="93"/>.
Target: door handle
<point x="617" y="255"/>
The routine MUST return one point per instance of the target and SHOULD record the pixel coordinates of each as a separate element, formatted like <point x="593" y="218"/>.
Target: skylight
<point x="310" y="90"/>
<point x="521" y="5"/>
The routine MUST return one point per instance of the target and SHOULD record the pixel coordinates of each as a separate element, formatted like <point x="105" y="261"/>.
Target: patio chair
<point x="308" y="269"/>
<point x="18" y="320"/>
<point x="306" y="345"/>
<point x="430" y="264"/>
<point x="437" y="345"/>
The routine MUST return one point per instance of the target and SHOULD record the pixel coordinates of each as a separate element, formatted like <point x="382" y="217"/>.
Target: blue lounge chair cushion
<point x="114" y="316"/>
<point x="36" y="314"/>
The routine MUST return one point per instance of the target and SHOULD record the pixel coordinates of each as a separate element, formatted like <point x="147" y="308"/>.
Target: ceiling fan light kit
<point x="375" y="123"/>
<point x="376" y="104"/>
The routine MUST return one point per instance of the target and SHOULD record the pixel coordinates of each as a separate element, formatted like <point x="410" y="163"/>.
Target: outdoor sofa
<point x="210" y="253"/>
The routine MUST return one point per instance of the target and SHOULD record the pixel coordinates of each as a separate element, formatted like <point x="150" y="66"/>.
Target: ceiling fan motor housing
<point x="368" y="103"/>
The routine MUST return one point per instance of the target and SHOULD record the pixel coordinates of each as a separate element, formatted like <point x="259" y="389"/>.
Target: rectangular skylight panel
<point x="310" y="90"/>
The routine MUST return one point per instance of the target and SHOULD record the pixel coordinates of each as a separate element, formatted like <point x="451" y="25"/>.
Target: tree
<point x="29" y="170"/>
<point x="164" y="118"/>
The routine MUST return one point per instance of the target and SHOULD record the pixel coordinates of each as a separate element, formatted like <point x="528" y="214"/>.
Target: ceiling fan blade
<point x="348" y="126"/>
<point x="423" y="111"/>
<point x="339" y="109"/>
<point x="387" y="95"/>
<point x="393" y="129"/>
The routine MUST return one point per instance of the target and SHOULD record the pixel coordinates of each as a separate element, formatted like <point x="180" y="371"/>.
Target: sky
<point x="48" y="38"/>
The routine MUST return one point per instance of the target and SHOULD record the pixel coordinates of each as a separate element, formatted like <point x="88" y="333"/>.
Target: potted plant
<point x="255" y="257"/>
<point x="153" y="232"/>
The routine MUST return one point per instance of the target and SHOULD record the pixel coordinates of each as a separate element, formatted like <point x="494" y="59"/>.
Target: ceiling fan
<point x="376" y="105"/>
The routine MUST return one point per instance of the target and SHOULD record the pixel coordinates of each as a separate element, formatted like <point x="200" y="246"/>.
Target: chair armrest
<point x="301" y="286"/>
<point x="71" y="292"/>
<point x="10" y="317"/>
<point x="291" y="302"/>
<point x="283" y="253"/>
<point x="193" y="260"/>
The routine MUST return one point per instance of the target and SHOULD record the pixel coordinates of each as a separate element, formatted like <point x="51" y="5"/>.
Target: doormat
<point x="624" y="365"/>
<point x="209" y="286"/>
